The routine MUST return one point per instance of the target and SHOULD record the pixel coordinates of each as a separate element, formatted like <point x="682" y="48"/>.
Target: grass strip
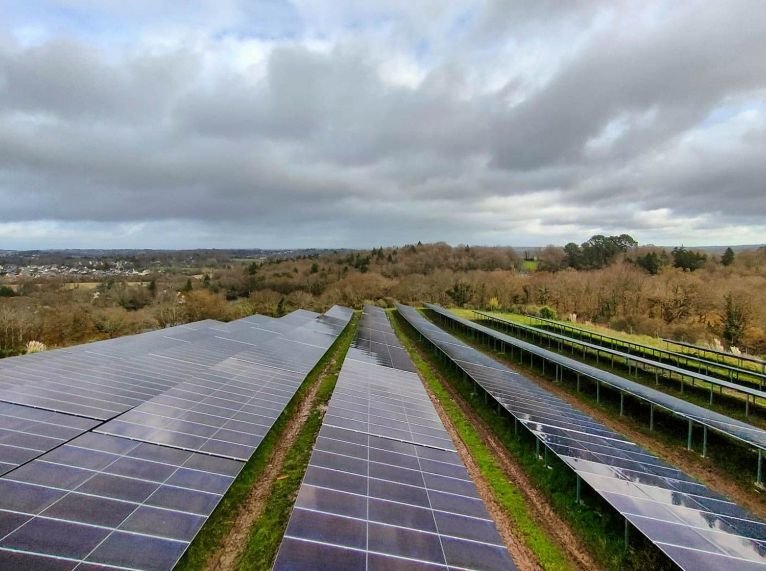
<point x="267" y="531"/>
<point x="550" y="556"/>
<point x="225" y="514"/>
<point x="599" y="527"/>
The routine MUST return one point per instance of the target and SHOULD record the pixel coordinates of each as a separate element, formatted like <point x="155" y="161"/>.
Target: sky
<point x="308" y="123"/>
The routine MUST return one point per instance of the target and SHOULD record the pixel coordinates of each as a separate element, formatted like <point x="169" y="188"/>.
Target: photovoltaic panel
<point x="651" y="363"/>
<point x="108" y="501"/>
<point x="385" y="488"/>
<point x="728" y="426"/>
<point x="694" y="526"/>
<point x="26" y="433"/>
<point x="229" y="417"/>
<point x="687" y="360"/>
<point x="376" y="343"/>
<point x="188" y="406"/>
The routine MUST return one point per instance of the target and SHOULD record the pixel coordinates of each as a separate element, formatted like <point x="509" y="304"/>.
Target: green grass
<point x="549" y="554"/>
<point x="225" y="514"/>
<point x="267" y="531"/>
<point x="530" y="265"/>
<point x="598" y="526"/>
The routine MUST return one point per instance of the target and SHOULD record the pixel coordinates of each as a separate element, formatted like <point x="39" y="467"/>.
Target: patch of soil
<point x="226" y="556"/>
<point x="542" y="512"/>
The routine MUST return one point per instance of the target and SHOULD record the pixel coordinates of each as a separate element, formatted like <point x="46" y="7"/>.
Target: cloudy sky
<point x="218" y="123"/>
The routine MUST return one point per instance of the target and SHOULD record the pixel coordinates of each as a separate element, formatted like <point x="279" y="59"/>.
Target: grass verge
<point x="266" y="534"/>
<point x="600" y="528"/>
<point x="550" y="556"/>
<point x="225" y="514"/>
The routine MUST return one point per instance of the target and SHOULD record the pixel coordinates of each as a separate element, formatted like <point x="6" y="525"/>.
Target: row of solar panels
<point x="729" y="427"/>
<point x="739" y="357"/>
<point x="385" y="488"/>
<point x="695" y="527"/>
<point x="113" y="454"/>
<point x="685" y="360"/>
<point x="646" y="363"/>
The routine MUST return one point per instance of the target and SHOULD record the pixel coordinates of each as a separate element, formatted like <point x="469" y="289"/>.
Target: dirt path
<point x="540" y="509"/>
<point x="226" y="556"/>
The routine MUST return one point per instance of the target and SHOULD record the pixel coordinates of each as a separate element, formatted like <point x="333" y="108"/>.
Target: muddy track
<point x="542" y="512"/>
<point x="227" y="555"/>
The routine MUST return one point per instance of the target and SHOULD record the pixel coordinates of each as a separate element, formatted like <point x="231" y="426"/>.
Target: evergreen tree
<point x="728" y="257"/>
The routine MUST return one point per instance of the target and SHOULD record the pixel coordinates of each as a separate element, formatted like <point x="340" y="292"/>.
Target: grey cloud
<point x="320" y="146"/>
<point x="683" y="67"/>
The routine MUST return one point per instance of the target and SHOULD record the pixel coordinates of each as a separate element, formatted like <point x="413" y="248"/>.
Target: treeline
<point x="679" y="293"/>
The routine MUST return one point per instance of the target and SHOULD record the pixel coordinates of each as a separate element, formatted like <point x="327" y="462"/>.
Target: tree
<point x="6" y="291"/>
<point x="600" y="251"/>
<point x="735" y="319"/>
<point x="188" y="286"/>
<point x="460" y="293"/>
<point x="688" y="260"/>
<point x="728" y="257"/>
<point x="552" y="259"/>
<point x="651" y="262"/>
<point x="573" y="255"/>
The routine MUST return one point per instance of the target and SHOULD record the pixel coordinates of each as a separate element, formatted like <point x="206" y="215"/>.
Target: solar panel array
<point x="686" y="360"/>
<point x="695" y="527"/>
<point x="648" y="363"/>
<point x="132" y="442"/>
<point x="723" y="424"/>
<point x="385" y="488"/>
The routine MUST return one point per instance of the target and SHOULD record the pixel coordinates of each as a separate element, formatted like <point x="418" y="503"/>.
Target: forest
<point x="611" y="280"/>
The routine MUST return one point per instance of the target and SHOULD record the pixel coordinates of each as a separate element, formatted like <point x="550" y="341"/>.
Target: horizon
<point x="350" y="248"/>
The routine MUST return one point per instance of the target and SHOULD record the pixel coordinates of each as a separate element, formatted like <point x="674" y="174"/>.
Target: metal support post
<point x="704" y="441"/>
<point x="689" y="436"/>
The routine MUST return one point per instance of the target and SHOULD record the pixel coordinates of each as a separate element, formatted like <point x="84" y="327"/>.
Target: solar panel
<point x="385" y="488"/>
<point x="694" y="526"/>
<point x="110" y="501"/>
<point x="228" y="417"/>
<point x="725" y="425"/>
<point x="740" y="357"/>
<point x="26" y="433"/>
<point x="649" y="363"/>
<point x="686" y="360"/>
<point x="188" y="406"/>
